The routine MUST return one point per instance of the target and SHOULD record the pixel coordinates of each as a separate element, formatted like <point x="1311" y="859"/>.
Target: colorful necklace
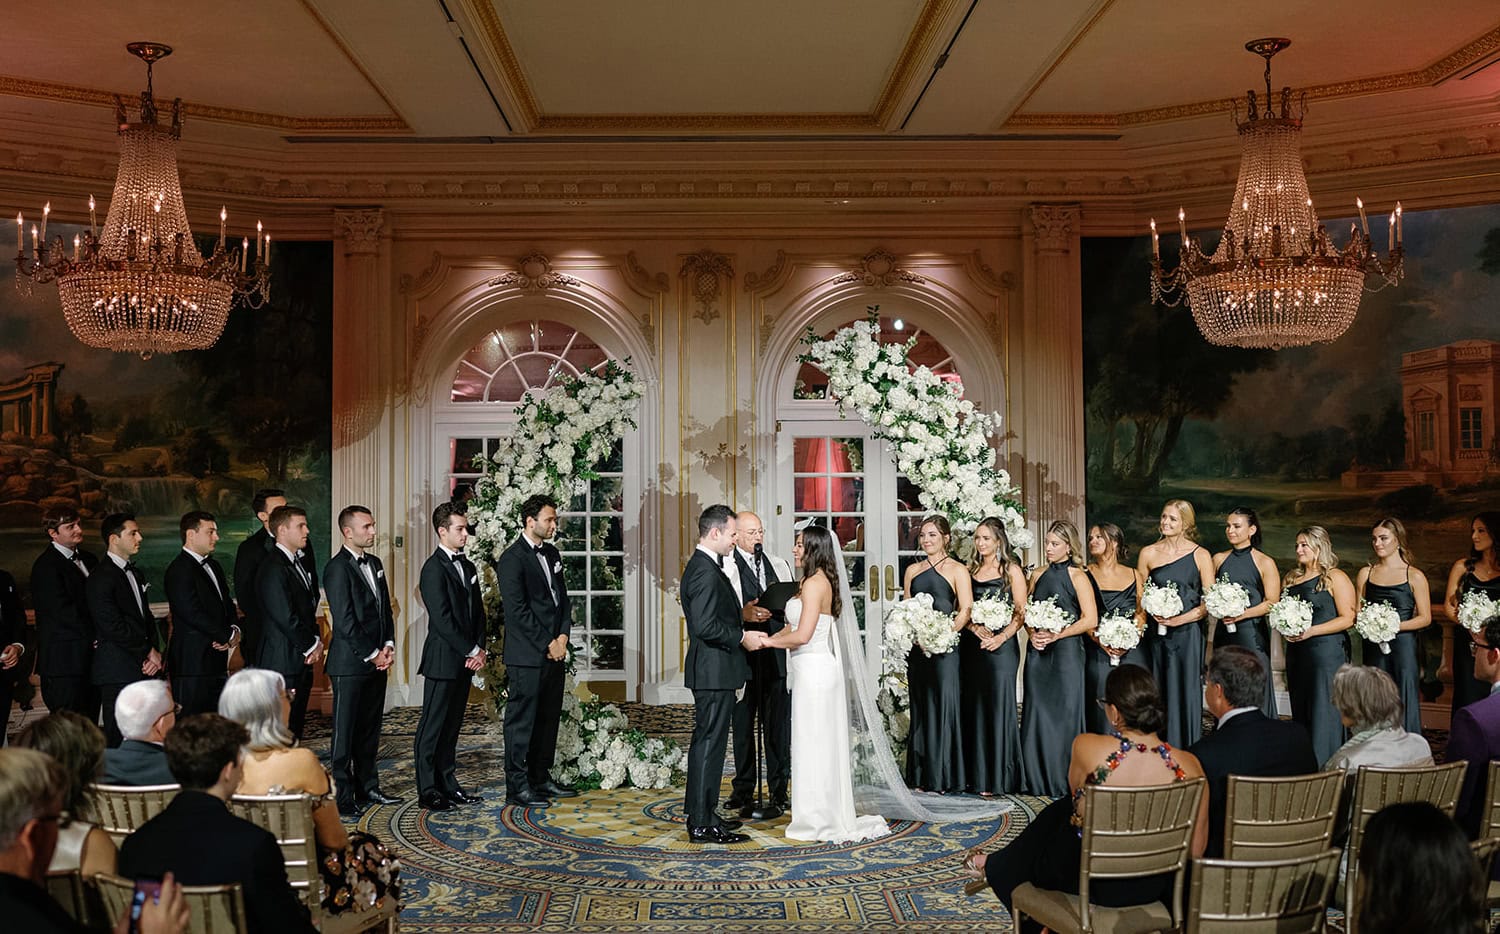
<point x="1101" y="774"/>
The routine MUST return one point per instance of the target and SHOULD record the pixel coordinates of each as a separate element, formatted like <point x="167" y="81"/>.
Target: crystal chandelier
<point x="1275" y="280"/>
<point x="141" y="285"/>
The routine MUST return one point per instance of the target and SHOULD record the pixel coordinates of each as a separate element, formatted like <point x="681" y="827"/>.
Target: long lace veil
<point x="879" y="786"/>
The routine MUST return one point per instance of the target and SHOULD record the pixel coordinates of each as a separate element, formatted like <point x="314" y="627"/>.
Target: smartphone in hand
<point x="144" y="889"/>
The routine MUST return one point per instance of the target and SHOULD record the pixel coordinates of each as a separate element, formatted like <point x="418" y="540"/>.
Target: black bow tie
<point x="458" y="560"/>
<point x="537" y="548"/>
<point x="724" y="562"/>
<point x="131" y="568"/>
<point x="361" y="560"/>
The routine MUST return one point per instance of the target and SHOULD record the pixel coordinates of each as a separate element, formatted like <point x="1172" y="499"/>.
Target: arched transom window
<point x="523" y="357"/>
<point x="812" y="383"/>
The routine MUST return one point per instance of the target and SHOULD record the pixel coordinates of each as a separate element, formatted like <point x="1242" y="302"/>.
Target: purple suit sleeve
<point x="1466" y="742"/>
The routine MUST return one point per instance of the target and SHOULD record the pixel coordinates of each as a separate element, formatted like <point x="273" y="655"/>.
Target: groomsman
<point x="247" y="561"/>
<point x="123" y="624"/>
<point x="451" y="654"/>
<point x="359" y="655"/>
<point x="14" y="664"/>
<point x="537" y="623"/>
<point x="204" y="630"/>
<point x="286" y="595"/>
<point x="766" y="698"/>
<point x="64" y="631"/>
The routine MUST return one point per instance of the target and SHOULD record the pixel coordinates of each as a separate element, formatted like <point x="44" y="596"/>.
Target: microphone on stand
<point x="760" y="565"/>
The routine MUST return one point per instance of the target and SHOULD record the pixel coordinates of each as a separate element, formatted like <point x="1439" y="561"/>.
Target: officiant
<point x="766" y="698"/>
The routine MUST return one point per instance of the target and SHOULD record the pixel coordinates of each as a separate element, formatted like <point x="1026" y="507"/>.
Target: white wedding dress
<point x="822" y="786"/>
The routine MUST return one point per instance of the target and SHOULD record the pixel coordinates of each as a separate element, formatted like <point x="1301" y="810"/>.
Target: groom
<point x="714" y="670"/>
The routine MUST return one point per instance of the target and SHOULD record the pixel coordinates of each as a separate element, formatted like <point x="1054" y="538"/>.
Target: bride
<point x="845" y="782"/>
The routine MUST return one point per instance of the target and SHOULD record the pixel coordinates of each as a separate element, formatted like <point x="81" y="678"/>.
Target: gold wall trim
<point x="505" y="57"/>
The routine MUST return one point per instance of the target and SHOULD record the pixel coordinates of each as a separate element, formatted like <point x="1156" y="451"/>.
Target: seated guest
<point x="78" y="746"/>
<point x="1475" y="733"/>
<point x="1245" y="741"/>
<point x="1417" y="873"/>
<point x="1048" y="852"/>
<point x="198" y="840"/>
<point x="1370" y="706"/>
<point x="257" y="698"/>
<point x="31" y="801"/>
<point x="145" y="713"/>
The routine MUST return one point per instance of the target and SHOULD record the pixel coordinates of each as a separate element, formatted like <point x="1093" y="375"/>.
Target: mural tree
<point x="1489" y="254"/>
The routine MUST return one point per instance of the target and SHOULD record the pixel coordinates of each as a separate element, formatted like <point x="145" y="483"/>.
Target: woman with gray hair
<point x="1369" y="705"/>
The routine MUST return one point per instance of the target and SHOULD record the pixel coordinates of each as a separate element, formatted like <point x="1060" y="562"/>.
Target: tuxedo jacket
<point x="13" y="628"/>
<point x="202" y="614"/>
<point x="125" y="628"/>
<point x="1253" y="744"/>
<point x="715" y="660"/>
<point x="1474" y="737"/>
<point x="64" y="631"/>
<point x="535" y="612"/>
<point x="455" y="616"/>
<point x="247" y="561"/>
<point x="360" y="617"/>
<point x="197" y="840"/>
<point x="137" y="762"/>
<point x="750" y="588"/>
<point x="288" y="608"/>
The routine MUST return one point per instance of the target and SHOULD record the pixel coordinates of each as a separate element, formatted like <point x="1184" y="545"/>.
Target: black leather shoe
<point x="432" y="801"/>
<point x="348" y="810"/>
<point x="731" y="825"/>
<point x="527" y="799"/>
<point x="781" y="804"/>
<point x="465" y="797"/>
<point x="379" y="797"/>
<point x="715" y="835"/>
<point x="735" y="803"/>
<point x="556" y="790"/>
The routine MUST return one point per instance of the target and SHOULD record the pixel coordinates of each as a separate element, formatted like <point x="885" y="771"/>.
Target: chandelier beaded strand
<point x="141" y="286"/>
<point x="1276" y="279"/>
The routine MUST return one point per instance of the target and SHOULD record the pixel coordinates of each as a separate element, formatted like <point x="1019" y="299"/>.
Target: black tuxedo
<point x="137" y="762"/>
<point x="12" y="631"/>
<point x="1253" y="744"/>
<point x="64" y="632"/>
<point x="288" y="606"/>
<point x="362" y="625"/>
<point x="536" y="611"/>
<point x="714" y="669"/>
<point x="766" y="698"/>
<point x="247" y="561"/>
<point x="126" y="630"/>
<point x="202" y="614"/>
<point x="455" y="627"/>
<point x="197" y="840"/>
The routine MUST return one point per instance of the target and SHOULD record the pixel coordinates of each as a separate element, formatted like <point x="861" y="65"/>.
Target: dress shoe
<point x="459" y="796"/>
<point x="379" y="797"/>
<point x="735" y="803"/>
<point x="348" y="810"/>
<point x="714" y="835"/>
<point x="731" y="825"/>
<point x="432" y="801"/>
<point x="527" y="799"/>
<point x="556" y="789"/>
<point x="781" y="804"/>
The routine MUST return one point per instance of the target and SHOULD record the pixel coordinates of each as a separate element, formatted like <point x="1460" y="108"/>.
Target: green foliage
<point x="1489" y="254"/>
<point x="137" y="431"/>
<point x="197" y="452"/>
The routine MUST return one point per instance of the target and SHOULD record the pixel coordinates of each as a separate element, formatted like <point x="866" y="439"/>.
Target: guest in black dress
<point x="1390" y="578"/>
<point x="1479" y="571"/>
<point x="991" y="660"/>
<point x="1052" y="713"/>
<point x="1250" y="567"/>
<point x="935" y="754"/>
<point x="1178" y="656"/>
<point x="1314" y="657"/>
<point x="1117" y="591"/>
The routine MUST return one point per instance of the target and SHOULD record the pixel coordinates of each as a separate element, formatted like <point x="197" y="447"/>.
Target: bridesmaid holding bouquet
<point x="1250" y="567"/>
<point x="1313" y="657"/>
<point x="1117" y="590"/>
<point x="935" y="756"/>
<point x="1479" y="572"/>
<point x="1391" y="579"/>
<point x="1175" y="643"/>
<point x="990" y="661"/>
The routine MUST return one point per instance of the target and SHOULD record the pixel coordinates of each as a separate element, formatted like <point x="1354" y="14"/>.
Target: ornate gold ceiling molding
<point x="1434" y="73"/>
<point x="923" y="34"/>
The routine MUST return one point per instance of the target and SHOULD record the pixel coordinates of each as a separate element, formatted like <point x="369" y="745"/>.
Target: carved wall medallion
<point x="533" y="272"/>
<point x="705" y="272"/>
<point x="878" y="269"/>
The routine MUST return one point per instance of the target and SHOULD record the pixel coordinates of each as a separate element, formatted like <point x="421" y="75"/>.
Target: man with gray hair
<point x="146" y="713"/>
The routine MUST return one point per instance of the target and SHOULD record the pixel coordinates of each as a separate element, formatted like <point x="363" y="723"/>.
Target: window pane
<point x="810" y="494"/>
<point x="608" y="653"/>
<point x="907" y="495"/>
<point x="614" y="462"/>
<point x="463" y="451"/>
<point x="575" y="572"/>
<point x="810" y="455"/>
<point x="850" y="531"/>
<point x="846" y="494"/>
<point x="608" y="494"/>
<point x="570" y="531"/>
<point x="608" y="572"/>
<point x="606" y="533"/>
<point x="578" y="503"/>
<point x="608" y="612"/>
<point x="846" y="455"/>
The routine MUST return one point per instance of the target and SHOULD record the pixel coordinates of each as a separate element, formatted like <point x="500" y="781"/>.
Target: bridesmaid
<point x="1052" y="715"/>
<point x="1250" y="567"/>
<point x="1117" y="590"/>
<point x="935" y="756"/>
<point x="990" y="661"/>
<point x="1177" y="658"/>
<point x="1313" y="657"/>
<point x="1479" y="571"/>
<point x="1390" y="578"/>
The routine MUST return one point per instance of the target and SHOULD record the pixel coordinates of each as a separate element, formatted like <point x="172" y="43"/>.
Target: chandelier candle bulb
<point x="20" y="236"/>
<point x="1364" y="222"/>
<point x="1182" y="226"/>
<point x="223" y="220"/>
<point x="93" y="220"/>
<point x="34" y="254"/>
<point x="46" y="210"/>
<point x="1398" y="223"/>
<point x="1390" y="234"/>
<point x="1155" y="241"/>
<point x="266" y="258"/>
<point x="244" y="253"/>
<point x="77" y="242"/>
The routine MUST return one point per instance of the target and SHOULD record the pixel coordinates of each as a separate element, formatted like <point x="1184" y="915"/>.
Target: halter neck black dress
<point x="1466" y="688"/>
<point x="1252" y="632"/>
<point x="1310" y="666"/>
<point x="1177" y="657"/>
<point x="934" y="756"/>
<point x="1096" y="660"/>
<point x="992" y="740"/>
<point x="1052" y="715"/>
<point x="1402" y="663"/>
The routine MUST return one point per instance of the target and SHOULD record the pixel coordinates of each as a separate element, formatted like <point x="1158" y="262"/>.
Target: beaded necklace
<point x="1101" y="774"/>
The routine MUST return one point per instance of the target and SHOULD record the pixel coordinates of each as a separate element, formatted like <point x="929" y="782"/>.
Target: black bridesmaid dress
<point x="992" y="740"/>
<point x="1177" y="657"/>
<point x="1401" y="664"/>
<point x="1053" y="712"/>
<point x="935" y="757"/>
<point x="1096" y="660"/>
<point x="1310" y="666"/>
<point x="1253" y="632"/>
<point x="1466" y="688"/>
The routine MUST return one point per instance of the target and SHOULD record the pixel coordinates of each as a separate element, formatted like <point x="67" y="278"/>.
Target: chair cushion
<point x="1059" y="912"/>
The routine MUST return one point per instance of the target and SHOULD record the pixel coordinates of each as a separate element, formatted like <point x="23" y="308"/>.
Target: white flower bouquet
<point x="935" y="633"/>
<point x="1475" y="609"/>
<point x="1290" y="616"/>
<point x="1117" y="631"/>
<point x="1226" y="598"/>
<point x="1047" y="616"/>
<point x="1378" y="622"/>
<point x="993" y="614"/>
<point x="1162" y="601"/>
